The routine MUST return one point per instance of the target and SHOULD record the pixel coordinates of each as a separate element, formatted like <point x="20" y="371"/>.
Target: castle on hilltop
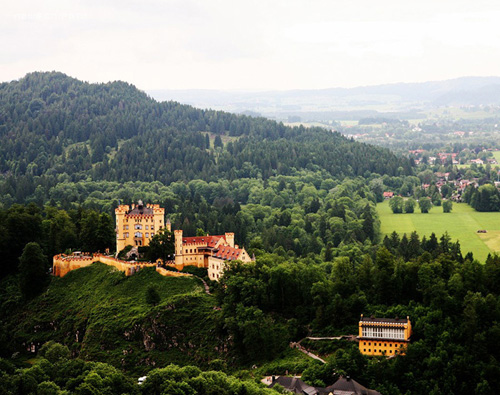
<point x="136" y="226"/>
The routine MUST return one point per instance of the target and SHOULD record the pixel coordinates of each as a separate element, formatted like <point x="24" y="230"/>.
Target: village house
<point x="343" y="386"/>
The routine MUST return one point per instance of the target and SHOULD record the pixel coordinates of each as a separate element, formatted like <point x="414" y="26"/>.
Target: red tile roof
<point x="228" y="253"/>
<point x="210" y="241"/>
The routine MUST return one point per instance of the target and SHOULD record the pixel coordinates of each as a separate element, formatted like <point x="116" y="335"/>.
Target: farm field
<point x="462" y="224"/>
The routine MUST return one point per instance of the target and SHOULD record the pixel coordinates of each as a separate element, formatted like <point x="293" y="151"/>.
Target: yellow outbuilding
<point x="384" y="336"/>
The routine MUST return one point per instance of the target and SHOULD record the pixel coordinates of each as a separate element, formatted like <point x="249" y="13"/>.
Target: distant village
<point x="459" y="181"/>
<point x="465" y="156"/>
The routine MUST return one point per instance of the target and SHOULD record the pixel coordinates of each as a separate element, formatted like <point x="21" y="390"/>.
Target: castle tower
<point x="137" y="225"/>
<point x="229" y="239"/>
<point x="178" y="246"/>
<point x="169" y="225"/>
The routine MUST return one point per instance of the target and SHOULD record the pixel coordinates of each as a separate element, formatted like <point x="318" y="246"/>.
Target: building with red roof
<point x="211" y="252"/>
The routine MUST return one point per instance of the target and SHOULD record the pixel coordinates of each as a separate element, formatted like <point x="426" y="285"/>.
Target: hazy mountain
<point x="388" y="97"/>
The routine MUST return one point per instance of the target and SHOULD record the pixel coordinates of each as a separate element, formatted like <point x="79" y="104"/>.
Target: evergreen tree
<point x="32" y="270"/>
<point x="414" y="248"/>
<point x="368" y="223"/>
<point x="152" y="296"/>
<point x="218" y="142"/>
<point x="161" y="246"/>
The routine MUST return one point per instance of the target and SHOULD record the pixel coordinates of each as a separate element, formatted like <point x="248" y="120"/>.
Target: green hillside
<point x="54" y="128"/>
<point x="462" y="224"/>
<point x="103" y="316"/>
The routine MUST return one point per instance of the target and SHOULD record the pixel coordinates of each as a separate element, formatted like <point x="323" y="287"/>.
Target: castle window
<point x="147" y="227"/>
<point x="147" y="235"/>
<point x="138" y="226"/>
<point x="152" y="234"/>
<point x="152" y="227"/>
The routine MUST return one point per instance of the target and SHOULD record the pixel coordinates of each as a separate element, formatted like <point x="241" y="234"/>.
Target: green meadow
<point x="462" y="224"/>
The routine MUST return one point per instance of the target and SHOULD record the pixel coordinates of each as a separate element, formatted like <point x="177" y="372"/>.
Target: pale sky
<point x="251" y="45"/>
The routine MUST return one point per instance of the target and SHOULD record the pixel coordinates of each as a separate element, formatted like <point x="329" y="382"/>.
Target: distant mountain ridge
<point x="458" y="91"/>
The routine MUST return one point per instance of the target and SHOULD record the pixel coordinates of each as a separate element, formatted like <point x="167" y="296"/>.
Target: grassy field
<point x="462" y="224"/>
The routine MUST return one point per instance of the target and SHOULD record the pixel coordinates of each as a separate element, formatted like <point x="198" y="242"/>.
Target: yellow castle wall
<point x="62" y="265"/>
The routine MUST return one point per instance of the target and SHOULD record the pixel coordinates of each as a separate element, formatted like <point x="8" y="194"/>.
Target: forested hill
<point x="54" y="127"/>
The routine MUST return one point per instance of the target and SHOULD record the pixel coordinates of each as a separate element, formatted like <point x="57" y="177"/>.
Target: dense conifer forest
<point x="55" y="128"/>
<point x="302" y="200"/>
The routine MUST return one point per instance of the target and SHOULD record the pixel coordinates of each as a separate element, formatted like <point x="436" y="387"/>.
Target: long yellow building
<point x="384" y="336"/>
<point x="136" y="225"/>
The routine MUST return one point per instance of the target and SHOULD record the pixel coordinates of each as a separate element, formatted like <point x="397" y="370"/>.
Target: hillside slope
<point x="103" y="316"/>
<point x="53" y="128"/>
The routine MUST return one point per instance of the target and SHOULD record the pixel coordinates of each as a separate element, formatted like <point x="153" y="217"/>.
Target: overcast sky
<point x="251" y="45"/>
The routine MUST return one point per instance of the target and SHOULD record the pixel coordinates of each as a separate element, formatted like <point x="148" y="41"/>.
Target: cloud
<point x="254" y="45"/>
